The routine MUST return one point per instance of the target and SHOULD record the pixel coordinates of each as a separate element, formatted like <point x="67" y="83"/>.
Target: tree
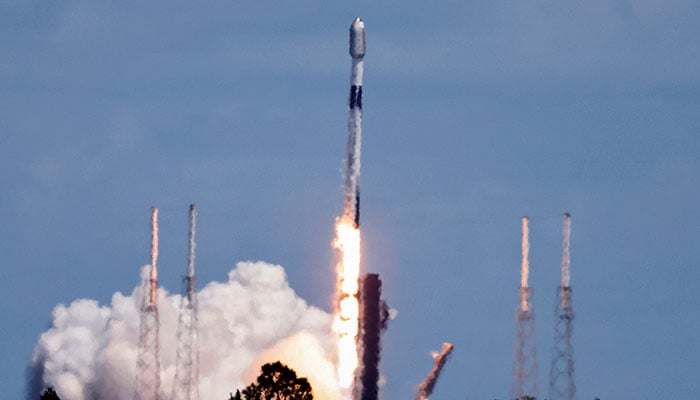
<point x="276" y="382"/>
<point x="49" y="394"/>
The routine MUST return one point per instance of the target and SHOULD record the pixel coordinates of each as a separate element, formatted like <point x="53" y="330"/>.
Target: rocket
<point x="352" y="156"/>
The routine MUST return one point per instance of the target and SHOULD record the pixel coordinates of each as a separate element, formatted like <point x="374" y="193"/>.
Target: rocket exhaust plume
<point x="525" y="268"/>
<point x="148" y="361"/>
<point x="346" y="324"/>
<point x="347" y="241"/>
<point x="425" y="389"/>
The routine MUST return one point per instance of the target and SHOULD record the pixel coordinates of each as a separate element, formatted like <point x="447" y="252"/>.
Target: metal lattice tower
<point x="524" y="370"/>
<point x="148" y="362"/>
<point x="186" y="383"/>
<point x="561" y="373"/>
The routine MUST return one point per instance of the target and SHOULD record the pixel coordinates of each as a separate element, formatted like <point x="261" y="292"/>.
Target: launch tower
<point x="186" y="383"/>
<point x="524" y="371"/>
<point x="148" y="362"/>
<point x="561" y="373"/>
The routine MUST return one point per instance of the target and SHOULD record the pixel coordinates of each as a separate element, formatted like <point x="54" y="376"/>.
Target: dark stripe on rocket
<point x="355" y="97"/>
<point x="357" y="208"/>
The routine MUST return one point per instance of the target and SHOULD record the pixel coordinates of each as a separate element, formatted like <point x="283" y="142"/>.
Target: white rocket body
<point x="352" y="156"/>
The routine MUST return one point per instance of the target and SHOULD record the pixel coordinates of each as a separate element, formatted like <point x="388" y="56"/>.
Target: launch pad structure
<point x="524" y="372"/>
<point x="524" y="369"/>
<point x="561" y="373"/>
<point x="148" y="361"/>
<point x="186" y="382"/>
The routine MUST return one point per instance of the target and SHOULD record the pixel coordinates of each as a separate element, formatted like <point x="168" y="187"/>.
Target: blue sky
<point x="476" y="113"/>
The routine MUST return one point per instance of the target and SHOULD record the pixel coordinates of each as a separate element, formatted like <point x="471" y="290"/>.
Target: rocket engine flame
<point x="346" y="324"/>
<point x="525" y="268"/>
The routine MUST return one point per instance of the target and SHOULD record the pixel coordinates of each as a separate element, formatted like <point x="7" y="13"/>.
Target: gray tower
<point x="148" y="361"/>
<point x="524" y="370"/>
<point x="561" y="373"/>
<point x="186" y="383"/>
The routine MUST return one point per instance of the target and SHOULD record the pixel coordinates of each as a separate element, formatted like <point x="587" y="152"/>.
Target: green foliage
<point x="276" y="382"/>
<point x="49" y="394"/>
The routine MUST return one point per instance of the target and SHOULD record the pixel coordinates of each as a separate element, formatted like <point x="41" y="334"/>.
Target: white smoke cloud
<point x="90" y="350"/>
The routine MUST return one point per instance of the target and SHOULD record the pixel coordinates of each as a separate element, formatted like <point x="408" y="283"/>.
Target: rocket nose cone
<point x="357" y="38"/>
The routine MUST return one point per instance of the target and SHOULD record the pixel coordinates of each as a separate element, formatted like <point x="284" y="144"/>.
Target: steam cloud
<point x="255" y="317"/>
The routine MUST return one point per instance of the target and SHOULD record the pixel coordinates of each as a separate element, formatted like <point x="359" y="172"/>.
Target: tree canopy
<point x="276" y="382"/>
<point x="49" y="394"/>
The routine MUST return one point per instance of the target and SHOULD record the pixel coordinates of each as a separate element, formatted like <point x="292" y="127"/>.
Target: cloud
<point x="90" y="350"/>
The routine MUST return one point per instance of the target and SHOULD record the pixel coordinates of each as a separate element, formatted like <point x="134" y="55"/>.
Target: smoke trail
<point x="525" y="268"/>
<point x="90" y="350"/>
<point x="565" y="277"/>
<point x="425" y="389"/>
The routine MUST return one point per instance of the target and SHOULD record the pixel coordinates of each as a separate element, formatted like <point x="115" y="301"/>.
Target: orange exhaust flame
<point x="346" y="324"/>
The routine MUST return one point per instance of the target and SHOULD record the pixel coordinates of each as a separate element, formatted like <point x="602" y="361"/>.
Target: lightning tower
<point x="148" y="361"/>
<point x="561" y="373"/>
<point x="186" y="383"/>
<point x="374" y="314"/>
<point x="524" y="371"/>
